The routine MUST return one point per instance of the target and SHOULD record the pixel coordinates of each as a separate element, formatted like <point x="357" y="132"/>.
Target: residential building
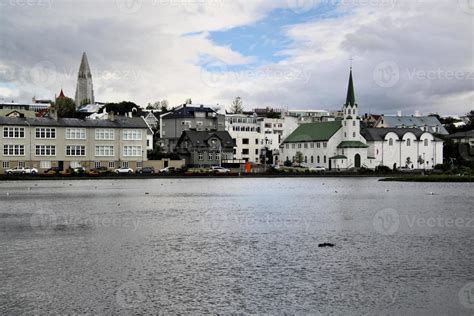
<point x="185" y="118"/>
<point x="204" y="149"/>
<point x="463" y="137"/>
<point x="342" y="145"/>
<point x="425" y="123"/>
<point x="15" y="106"/>
<point x="68" y="142"/>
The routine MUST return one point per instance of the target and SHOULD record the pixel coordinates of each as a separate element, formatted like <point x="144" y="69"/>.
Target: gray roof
<point x="378" y="134"/>
<point x="119" y="122"/>
<point x="199" y="138"/>
<point x="187" y="111"/>
<point x="410" y="121"/>
<point x="467" y="134"/>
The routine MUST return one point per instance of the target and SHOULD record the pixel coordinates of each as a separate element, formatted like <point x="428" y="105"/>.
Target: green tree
<point x="164" y="105"/>
<point x="121" y="108"/>
<point x="237" y="107"/>
<point x="65" y="107"/>
<point x="299" y="157"/>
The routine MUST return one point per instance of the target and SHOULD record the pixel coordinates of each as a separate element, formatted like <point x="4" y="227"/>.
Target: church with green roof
<point x="342" y="145"/>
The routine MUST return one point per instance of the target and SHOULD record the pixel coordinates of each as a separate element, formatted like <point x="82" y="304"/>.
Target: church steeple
<point x="350" y="100"/>
<point x="84" y="88"/>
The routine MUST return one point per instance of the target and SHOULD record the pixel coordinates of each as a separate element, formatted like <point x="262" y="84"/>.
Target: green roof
<point x="314" y="132"/>
<point x="339" y="157"/>
<point x="352" y="144"/>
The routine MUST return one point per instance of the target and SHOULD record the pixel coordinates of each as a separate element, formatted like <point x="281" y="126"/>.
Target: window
<point x="287" y="146"/>
<point x="312" y="159"/>
<point x="124" y="164"/>
<point x="201" y="156"/>
<point x="21" y="164"/>
<point x="299" y="146"/>
<point x="305" y="145"/>
<point x="319" y="160"/>
<point x="45" y="150"/>
<point x="211" y="156"/>
<point x="218" y="156"/>
<point x="426" y="142"/>
<point x="354" y="123"/>
<point x="293" y="146"/>
<point x="45" y="133"/>
<point x="345" y="134"/>
<point x="132" y="134"/>
<point x="140" y="164"/>
<point x="97" y="164"/>
<point x="256" y="141"/>
<point x="75" y="133"/>
<point x="345" y="123"/>
<point x="305" y="159"/>
<point x="312" y="145"/>
<point x="325" y="145"/>
<point x="13" y="132"/>
<point x="104" y="151"/>
<point x="325" y="160"/>
<point x="256" y="151"/>
<point x="245" y="141"/>
<point x="111" y="164"/>
<point x="245" y="151"/>
<point x="13" y="150"/>
<point x="390" y="142"/>
<point x="104" y="134"/>
<point x="74" y="164"/>
<point x="132" y="151"/>
<point x="353" y="134"/>
<point x="45" y="164"/>
<point x="408" y="142"/>
<point x="318" y="145"/>
<point x="6" y="164"/>
<point x="75" y="150"/>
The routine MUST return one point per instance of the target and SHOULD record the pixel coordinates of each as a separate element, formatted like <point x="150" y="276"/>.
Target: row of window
<point x="211" y="156"/>
<point x="71" y="133"/>
<point x="72" y="150"/>
<point x="307" y="145"/>
<point x="246" y="129"/>
<point x="408" y="142"/>
<point x="318" y="159"/>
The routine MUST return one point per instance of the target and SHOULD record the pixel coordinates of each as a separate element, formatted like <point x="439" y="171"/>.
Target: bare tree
<point x="237" y="106"/>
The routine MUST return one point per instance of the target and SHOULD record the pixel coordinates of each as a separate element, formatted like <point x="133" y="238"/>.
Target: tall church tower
<point x="84" y="88"/>
<point x="351" y="120"/>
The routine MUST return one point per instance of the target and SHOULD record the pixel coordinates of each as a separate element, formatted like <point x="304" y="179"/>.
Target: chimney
<point x="417" y="114"/>
<point x="202" y="106"/>
<point x="53" y="113"/>
<point x="111" y="116"/>
<point x="399" y="113"/>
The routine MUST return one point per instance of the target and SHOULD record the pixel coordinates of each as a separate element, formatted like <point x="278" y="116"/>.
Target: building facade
<point x="185" y="118"/>
<point x="342" y="145"/>
<point x="44" y="143"/>
<point x="425" y="123"/>
<point x="205" y="149"/>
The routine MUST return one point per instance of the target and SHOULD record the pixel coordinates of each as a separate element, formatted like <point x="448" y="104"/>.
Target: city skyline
<point x="284" y="54"/>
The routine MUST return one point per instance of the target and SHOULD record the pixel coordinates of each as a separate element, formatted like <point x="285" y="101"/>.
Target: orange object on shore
<point x="248" y="167"/>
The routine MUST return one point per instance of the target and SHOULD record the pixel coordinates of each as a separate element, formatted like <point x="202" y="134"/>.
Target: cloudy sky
<point x="407" y="54"/>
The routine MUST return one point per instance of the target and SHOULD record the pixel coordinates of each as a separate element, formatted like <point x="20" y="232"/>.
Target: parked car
<point x="52" y="171"/>
<point x="218" y="169"/>
<point x="146" y="170"/>
<point x="22" y="170"/>
<point x="124" y="170"/>
<point x="168" y="170"/>
<point x="317" y="169"/>
<point x="79" y="169"/>
<point x="404" y="169"/>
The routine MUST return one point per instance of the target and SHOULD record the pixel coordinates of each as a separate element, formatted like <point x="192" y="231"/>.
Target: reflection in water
<point x="236" y="246"/>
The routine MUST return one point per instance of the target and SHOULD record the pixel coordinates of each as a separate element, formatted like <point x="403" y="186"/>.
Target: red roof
<point x="61" y="95"/>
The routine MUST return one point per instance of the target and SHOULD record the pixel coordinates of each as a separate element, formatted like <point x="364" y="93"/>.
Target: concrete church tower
<point x="351" y="120"/>
<point x="84" y="88"/>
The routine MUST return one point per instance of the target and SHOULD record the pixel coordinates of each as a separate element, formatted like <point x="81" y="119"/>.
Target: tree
<point x="65" y="107"/>
<point x="120" y="108"/>
<point x="236" y="107"/>
<point x="299" y="157"/>
<point x="188" y="101"/>
<point x="164" y="105"/>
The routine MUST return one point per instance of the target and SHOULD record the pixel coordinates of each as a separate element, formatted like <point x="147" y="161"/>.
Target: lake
<point x="200" y="246"/>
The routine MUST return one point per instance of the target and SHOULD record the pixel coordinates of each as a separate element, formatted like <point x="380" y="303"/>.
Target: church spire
<point x="84" y="88"/>
<point x="350" y="100"/>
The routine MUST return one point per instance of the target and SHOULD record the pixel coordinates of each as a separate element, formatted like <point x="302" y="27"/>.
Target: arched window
<point x="345" y="134"/>
<point x="312" y="159"/>
<point x="325" y="159"/>
<point x="354" y="123"/>
<point x="426" y="141"/>
<point x="408" y="142"/>
<point x="319" y="160"/>
<point x="354" y="134"/>
<point x="305" y="159"/>
<point x="390" y="142"/>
